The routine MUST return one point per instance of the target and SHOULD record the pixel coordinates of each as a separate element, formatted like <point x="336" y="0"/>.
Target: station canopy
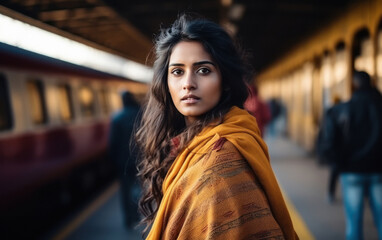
<point x="267" y="29"/>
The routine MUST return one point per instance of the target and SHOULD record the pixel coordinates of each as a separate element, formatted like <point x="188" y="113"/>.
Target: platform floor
<point x="303" y="181"/>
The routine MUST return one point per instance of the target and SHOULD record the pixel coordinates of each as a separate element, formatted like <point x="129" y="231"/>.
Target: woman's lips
<point x="190" y="99"/>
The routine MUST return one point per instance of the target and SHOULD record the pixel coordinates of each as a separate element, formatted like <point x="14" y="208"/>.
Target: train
<point x="54" y="127"/>
<point x="314" y="75"/>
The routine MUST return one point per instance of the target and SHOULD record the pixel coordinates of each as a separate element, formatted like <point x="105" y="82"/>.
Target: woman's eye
<point x="203" y="71"/>
<point x="176" y="71"/>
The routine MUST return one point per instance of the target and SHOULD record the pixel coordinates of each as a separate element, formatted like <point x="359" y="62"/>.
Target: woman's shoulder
<point x="222" y="151"/>
<point x="223" y="145"/>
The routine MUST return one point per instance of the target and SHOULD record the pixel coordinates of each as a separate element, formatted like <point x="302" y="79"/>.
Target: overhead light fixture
<point x="14" y="32"/>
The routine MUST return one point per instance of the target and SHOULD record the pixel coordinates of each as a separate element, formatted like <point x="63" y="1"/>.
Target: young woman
<point x="205" y="169"/>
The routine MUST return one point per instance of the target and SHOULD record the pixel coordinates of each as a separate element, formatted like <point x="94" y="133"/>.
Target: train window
<point x="36" y="101"/>
<point x="6" y="120"/>
<point x="86" y="97"/>
<point x="116" y="101"/>
<point x="66" y="105"/>
<point x="103" y="97"/>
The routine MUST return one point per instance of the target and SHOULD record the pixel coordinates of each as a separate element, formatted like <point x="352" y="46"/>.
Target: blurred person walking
<point x="257" y="108"/>
<point x="333" y="165"/>
<point x="276" y="112"/>
<point x="352" y="137"/>
<point x="124" y="157"/>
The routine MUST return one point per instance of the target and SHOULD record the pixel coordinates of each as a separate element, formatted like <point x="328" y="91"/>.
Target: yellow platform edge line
<point x="299" y="225"/>
<point x="87" y="212"/>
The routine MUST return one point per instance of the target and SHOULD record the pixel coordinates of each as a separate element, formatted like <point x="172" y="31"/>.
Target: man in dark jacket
<point x="124" y="157"/>
<point x="352" y="138"/>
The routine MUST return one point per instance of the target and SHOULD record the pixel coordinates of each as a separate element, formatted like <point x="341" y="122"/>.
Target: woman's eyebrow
<point x="204" y="62"/>
<point x="194" y="64"/>
<point x="176" y="64"/>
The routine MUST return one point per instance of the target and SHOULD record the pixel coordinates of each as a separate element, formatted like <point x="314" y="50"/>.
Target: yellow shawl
<point x="241" y="130"/>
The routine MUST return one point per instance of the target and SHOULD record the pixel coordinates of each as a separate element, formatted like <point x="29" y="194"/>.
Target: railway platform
<point x="303" y="181"/>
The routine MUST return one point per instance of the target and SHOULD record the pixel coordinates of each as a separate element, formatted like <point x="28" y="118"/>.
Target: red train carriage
<point x="54" y="123"/>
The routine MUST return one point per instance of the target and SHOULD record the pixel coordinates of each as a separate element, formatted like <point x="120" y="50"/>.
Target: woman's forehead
<point x="189" y="51"/>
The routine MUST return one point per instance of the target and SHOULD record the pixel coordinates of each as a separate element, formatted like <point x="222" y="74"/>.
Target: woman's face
<point x="193" y="79"/>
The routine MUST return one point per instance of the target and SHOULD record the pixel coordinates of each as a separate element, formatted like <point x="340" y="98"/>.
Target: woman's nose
<point x="189" y="81"/>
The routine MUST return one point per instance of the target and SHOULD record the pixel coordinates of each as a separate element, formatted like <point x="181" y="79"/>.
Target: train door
<point x="379" y="57"/>
<point x="307" y="111"/>
<point x="316" y="93"/>
<point x="363" y="52"/>
<point x="340" y="90"/>
<point x="296" y="107"/>
<point x="287" y="94"/>
<point x="326" y="79"/>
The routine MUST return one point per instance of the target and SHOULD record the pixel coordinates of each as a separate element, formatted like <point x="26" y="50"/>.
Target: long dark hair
<point x="161" y="121"/>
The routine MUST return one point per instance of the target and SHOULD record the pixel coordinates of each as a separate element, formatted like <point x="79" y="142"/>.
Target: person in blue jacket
<point x="123" y="155"/>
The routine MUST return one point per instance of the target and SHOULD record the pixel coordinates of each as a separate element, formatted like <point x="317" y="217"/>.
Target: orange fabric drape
<point x="239" y="128"/>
